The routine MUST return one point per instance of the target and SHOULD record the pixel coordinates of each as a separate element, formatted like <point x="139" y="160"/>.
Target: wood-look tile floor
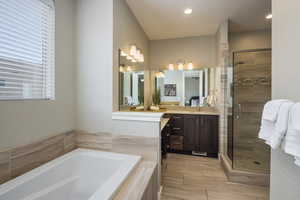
<point x="187" y="177"/>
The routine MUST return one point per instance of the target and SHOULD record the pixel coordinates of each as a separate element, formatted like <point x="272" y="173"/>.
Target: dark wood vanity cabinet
<point x="197" y="134"/>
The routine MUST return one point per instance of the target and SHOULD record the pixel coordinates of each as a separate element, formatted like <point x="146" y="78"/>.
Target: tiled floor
<point x="197" y="178"/>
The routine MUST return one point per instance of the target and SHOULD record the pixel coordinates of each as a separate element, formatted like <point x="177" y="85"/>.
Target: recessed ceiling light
<point x="269" y="16"/>
<point x="188" y="11"/>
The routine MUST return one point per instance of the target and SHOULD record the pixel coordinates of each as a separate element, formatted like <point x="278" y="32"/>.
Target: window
<point x="27" y="49"/>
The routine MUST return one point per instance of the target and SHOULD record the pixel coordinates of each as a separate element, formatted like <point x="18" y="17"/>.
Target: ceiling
<point x="162" y="19"/>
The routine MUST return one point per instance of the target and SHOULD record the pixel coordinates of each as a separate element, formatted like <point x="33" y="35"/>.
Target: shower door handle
<point x="239" y="108"/>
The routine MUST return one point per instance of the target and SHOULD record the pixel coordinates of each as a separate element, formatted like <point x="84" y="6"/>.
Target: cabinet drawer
<point x="178" y="121"/>
<point x="177" y="131"/>
<point x="176" y="142"/>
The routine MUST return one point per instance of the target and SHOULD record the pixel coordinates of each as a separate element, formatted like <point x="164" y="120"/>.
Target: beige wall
<point x="285" y="175"/>
<point x="199" y="50"/>
<point x="94" y="37"/>
<point x="127" y="31"/>
<point x="261" y="39"/>
<point x="24" y="122"/>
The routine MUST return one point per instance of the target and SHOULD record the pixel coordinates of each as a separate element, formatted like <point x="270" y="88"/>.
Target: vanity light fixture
<point x="171" y="67"/>
<point x="180" y="66"/>
<point x="135" y="54"/>
<point x="269" y="16"/>
<point x="190" y="66"/>
<point x="188" y="11"/>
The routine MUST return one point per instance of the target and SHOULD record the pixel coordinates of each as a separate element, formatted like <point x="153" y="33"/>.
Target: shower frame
<point x="231" y="157"/>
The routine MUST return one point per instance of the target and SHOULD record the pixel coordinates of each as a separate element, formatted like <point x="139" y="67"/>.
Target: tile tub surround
<point x="141" y="183"/>
<point x="4" y="166"/>
<point x="134" y="145"/>
<point x="17" y="161"/>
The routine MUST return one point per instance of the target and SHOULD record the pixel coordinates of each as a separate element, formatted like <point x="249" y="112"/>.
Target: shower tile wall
<point x="252" y="88"/>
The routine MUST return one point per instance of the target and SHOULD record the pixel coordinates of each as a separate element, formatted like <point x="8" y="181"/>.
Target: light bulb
<point x="269" y="16"/>
<point x="123" y="54"/>
<point x="190" y="66"/>
<point x="171" y="67"/>
<point x="133" y="50"/>
<point x="188" y="11"/>
<point x="137" y="54"/>
<point x="129" y="57"/>
<point x="122" y="69"/>
<point x="180" y="66"/>
<point x="142" y="58"/>
<point x="129" y="69"/>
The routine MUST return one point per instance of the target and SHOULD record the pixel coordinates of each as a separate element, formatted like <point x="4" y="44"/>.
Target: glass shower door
<point x="251" y="90"/>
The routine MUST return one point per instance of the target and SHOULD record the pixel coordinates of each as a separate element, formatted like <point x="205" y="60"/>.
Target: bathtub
<point x="79" y="175"/>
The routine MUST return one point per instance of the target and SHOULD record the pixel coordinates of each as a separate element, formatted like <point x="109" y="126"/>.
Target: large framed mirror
<point x="131" y="82"/>
<point x="188" y="88"/>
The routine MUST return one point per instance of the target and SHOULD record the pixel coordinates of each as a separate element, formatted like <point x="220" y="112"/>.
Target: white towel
<point x="271" y="109"/>
<point x="267" y="128"/>
<point x="297" y="161"/>
<point x="281" y="125"/>
<point x="274" y="125"/>
<point x="292" y="139"/>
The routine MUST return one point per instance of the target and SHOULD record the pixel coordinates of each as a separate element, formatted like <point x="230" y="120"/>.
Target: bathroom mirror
<point x="190" y="88"/>
<point x="131" y="82"/>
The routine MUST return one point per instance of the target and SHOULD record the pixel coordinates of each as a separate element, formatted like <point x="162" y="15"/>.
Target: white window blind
<point x="27" y="49"/>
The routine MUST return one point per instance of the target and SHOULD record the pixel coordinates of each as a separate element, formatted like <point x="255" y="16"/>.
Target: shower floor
<point x="253" y="162"/>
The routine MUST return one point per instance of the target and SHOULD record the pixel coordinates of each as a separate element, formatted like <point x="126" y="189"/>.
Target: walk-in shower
<point x="249" y="83"/>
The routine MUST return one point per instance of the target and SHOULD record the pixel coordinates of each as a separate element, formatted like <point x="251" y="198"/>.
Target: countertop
<point x="164" y="122"/>
<point x="178" y="111"/>
<point x="186" y="112"/>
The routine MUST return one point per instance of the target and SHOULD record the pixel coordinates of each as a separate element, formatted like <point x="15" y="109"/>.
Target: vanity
<point x="195" y="133"/>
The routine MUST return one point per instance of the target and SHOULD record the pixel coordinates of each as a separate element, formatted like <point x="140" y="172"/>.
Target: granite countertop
<point x="136" y="183"/>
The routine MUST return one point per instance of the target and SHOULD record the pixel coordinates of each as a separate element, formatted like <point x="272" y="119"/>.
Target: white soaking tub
<point x="79" y="175"/>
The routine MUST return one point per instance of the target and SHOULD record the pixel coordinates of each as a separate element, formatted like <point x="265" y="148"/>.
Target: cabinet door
<point x="209" y="134"/>
<point x="178" y="124"/>
<point x="190" y="132"/>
